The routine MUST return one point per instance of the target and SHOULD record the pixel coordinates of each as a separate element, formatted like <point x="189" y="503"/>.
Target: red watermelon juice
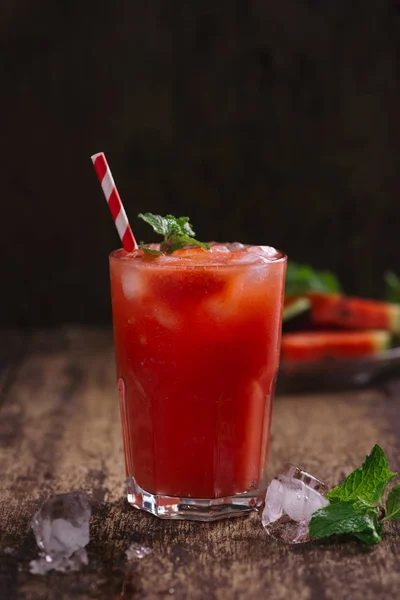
<point x="197" y="341"/>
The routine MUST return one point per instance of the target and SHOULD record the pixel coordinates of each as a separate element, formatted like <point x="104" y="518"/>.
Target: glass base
<point x="194" y="509"/>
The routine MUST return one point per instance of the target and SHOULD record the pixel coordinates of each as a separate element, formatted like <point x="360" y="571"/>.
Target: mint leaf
<point x="372" y="535"/>
<point x="367" y="482"/>
<point x="184" y="225"/>
<point x="357" y="518"/>
<point x="393" y="504"/>
<point x="160" y="224"/>
<point x="168" y="225"/>
<point x="180" y="241"/>
<point x="148" y="250"/>
<point x="392" y="286"/>
<point x="301" y="279"/>
<point x="177" y="232"/>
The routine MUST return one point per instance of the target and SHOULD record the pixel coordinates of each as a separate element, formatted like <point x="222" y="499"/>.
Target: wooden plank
<point x="60" y="430"/>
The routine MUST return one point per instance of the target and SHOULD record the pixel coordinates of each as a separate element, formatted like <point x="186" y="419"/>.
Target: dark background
<point x="266" y="121"/>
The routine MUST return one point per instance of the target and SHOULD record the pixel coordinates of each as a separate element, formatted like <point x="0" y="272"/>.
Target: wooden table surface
<point x="60" y="430"/>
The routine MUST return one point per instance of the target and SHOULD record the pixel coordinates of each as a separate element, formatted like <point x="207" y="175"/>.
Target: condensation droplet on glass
<point x="121" y="390"/>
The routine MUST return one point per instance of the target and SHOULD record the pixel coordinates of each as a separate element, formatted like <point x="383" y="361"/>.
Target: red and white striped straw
<point x="114" y="201"/>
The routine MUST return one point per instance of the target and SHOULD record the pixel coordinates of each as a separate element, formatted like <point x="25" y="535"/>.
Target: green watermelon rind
<point x="296" y="308"/>
<point x="394" y="320"/>
<point x="383" y="339"/>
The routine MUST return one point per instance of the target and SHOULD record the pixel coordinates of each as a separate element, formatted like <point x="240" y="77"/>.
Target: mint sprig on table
<point x="356" y="505"/>
<point x="177" y="233"/>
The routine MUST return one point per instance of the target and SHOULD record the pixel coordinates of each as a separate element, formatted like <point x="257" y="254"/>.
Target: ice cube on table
<point x="137" y="551"/>
<point x="61" y="528"/>
<point x="291" y="499"/>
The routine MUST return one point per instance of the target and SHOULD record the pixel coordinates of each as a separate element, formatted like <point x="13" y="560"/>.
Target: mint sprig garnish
<point x="149" y="250"/>
<point x="356" y="504"/>
<point x="177" y="233"/>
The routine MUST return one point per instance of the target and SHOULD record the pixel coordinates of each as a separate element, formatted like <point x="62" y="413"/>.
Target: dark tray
<point x="339" y="374"/>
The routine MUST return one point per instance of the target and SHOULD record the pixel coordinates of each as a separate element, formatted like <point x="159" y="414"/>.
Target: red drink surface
<point x="197" y="341"/>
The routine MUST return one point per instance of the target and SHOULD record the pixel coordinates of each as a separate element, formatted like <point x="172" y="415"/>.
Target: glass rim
<point x="120" y="255"/>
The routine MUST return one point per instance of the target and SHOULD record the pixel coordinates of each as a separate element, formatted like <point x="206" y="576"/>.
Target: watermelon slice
<point x="295" y="305"/>
<point x="321" y="345"/>
<point x="354" y="313"/>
